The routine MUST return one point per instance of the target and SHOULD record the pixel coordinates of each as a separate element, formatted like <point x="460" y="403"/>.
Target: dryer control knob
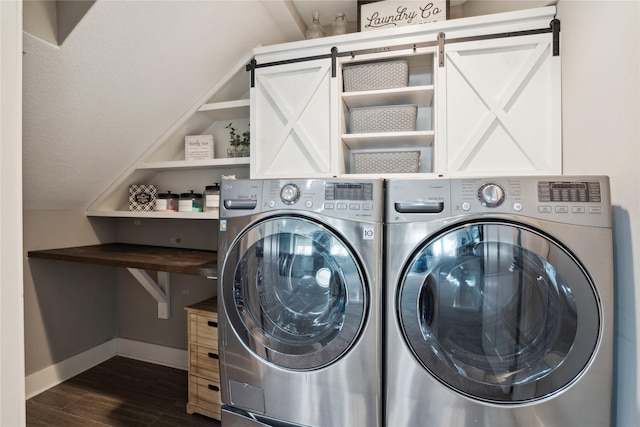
<point x="491" y="195"/>
<point x="290" y="194"/>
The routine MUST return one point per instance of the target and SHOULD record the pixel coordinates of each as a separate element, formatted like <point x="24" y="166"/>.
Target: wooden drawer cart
<point x="204" y="370"/>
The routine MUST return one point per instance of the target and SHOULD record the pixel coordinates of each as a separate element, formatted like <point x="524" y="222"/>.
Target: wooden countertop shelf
<point x="139" y="258"/>
<point x="157" y="258"/>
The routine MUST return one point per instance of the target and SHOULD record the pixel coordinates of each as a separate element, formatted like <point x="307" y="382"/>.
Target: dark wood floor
<point x="118" y="392"/>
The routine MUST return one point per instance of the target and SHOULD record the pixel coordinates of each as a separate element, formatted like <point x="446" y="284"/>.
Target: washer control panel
<point x="344" y="199"/>
<point x="349" y="199"/>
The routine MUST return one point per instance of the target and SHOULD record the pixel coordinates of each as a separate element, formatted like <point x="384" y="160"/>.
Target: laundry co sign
<point x="399" y="13"/>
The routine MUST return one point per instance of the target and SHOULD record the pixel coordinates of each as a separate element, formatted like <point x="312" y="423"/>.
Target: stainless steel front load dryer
<point x="499" y="302"/>
<point x="300" y="300"/>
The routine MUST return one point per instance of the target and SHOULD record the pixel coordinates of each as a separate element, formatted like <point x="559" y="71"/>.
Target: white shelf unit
<point x="418" y="92"/>
<point x="163" y="163"/>
<point x="157" y="215"/>
<point x="460" y="72"/>
<point x="228" y="110"/>
<point x="381" y="140"/>
<point x="404" y="95"/>
<point x="196" y="164"/>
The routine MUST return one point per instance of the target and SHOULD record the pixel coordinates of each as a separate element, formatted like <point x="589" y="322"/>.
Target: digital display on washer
<point x="348" y="191"/>
<point x="552" y="191"/>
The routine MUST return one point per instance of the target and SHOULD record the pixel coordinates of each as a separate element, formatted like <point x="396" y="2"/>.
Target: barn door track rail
<point x="441" y="40"/>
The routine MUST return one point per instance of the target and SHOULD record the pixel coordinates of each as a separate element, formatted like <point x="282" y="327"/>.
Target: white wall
<point x="600" y="49"/>
<point x="12" y="405"/>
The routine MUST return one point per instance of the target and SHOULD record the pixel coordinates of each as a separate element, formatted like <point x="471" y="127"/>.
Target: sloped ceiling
<point x="127" y="71"/>
<point x="130" y="69"/>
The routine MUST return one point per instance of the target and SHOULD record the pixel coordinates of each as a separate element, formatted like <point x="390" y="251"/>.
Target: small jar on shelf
<point x="190" y="202"/>
<point x="212" y="197"/>
<point x="167" y="202"/>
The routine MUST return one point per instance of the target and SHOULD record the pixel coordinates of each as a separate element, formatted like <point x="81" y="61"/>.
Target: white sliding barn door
<point x="290" y="120"/>
<point x="502" y="107"/>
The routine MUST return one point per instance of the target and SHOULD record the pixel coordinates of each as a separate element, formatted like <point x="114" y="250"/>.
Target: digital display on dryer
<point x="554" y="191"/>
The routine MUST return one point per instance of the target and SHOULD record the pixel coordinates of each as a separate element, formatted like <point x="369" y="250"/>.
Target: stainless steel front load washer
<point x="300" y="301"/>
<point x="499" y="302"/>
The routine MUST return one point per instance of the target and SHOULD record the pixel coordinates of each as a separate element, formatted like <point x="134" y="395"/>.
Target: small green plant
<point x="237" y="141"/>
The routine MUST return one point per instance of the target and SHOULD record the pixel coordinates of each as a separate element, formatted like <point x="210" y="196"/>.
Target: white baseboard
<point x="152" y="353"/>
<point x="53" y="375"/>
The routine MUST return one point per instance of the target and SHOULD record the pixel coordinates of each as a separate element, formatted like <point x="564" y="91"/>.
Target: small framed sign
<point x="198" y="147"/>
<point x="375" y="14"/>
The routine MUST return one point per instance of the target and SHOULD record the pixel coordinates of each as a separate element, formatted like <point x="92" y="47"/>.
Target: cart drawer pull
<point x="213" y="355"/>
<point x="213" y="387"/>
<point x="212" y="324"/>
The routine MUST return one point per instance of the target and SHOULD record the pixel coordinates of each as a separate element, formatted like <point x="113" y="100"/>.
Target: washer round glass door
<point x="294" y="292"/>
<point x="499" y="312"/>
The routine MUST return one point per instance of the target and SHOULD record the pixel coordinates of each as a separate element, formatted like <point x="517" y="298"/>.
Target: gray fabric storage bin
<point x="392" y="118"/>
<point x="378" y="75"/>
<point x="386" y="162"/>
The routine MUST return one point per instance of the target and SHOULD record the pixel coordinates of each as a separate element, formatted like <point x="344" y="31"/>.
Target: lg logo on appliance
<point x="368" y="232"/>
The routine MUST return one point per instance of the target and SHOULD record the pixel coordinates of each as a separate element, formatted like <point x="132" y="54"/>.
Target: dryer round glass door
<point x="294" y="292"/>
<point x="499" y="312"/>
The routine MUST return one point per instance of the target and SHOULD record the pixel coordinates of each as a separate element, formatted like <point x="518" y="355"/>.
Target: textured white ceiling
<point x="125" y="74"/>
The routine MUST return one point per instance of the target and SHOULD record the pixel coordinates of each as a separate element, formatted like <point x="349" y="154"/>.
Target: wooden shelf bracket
<point x="160" y="291"/>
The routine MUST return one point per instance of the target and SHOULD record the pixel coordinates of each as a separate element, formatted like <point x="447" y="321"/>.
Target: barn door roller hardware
<point x="253" y="65"/>
<point x="554" y="27"/>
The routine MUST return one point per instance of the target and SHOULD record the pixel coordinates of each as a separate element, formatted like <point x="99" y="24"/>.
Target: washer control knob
<point x="466" y="206"/>
<point x="491" y="195"/>
<point x="290" y="193"/>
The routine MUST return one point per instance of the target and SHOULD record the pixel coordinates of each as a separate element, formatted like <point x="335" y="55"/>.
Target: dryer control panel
<point x="568" y="192"/>
<point x="580" y="200"/>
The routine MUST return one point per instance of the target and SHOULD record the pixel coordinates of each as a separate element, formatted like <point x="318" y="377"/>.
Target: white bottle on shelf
<point x="339" y="26"/>
<point x="315" y="30"/>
